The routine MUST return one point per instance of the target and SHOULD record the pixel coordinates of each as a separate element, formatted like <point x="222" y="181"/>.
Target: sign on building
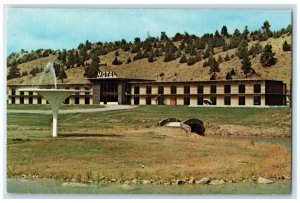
<point x="108" y="74"/>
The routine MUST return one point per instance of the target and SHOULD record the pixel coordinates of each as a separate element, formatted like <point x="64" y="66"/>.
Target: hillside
<point x="172" y="70"/>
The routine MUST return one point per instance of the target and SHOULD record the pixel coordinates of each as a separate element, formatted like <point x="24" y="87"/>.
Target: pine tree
<point x="169" y="56"/>
<point x="150" y="57"/>
<point x="255" y="49"/>
<point x="62" y="74"/>
<point x="128" y="60"/>
<point x="213" y="64"/>
<point x="228" y="76"/>
<point x="266" y="29"/>
<point x="246" y="63"/>
<point x="220" y="59"/>
<point x="267" y="58"/>
<point x="163" y="36"/>
<point x="227" y="58"/>
<point x="286" y="46"/>
<point x="245" y="33"/>
<point x="116" y="61"/>
<point x="138" y="56"/>
<point x="183" y="59"/>
<point x="191" y="61"/>
<point x="242" y="48"/>
<point x="92" y="69"/>
<point x="14" y="71"/>
<point x="224" y="32"/>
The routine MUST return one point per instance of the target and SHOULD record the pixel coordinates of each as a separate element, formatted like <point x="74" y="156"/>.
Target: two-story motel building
<point x="132" y="91"/>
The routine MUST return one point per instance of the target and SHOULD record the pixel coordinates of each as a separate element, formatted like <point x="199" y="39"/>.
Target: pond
<point x="22" y="186"/>
<point x="25" y="186"/>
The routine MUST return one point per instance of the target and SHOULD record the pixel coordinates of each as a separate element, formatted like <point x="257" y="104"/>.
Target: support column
<point x="121" y="93"/>
<point x="96" y="93"/>
<point x="55" y="126"/>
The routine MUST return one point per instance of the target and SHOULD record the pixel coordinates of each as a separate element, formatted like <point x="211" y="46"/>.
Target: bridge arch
<point x="197" y="126"/>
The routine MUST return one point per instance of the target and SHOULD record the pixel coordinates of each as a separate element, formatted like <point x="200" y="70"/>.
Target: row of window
<point x="186" y="89"/>
<point x="39" y="100"/>
<point x="201" y="100"/>
<point x="13" y="91"/>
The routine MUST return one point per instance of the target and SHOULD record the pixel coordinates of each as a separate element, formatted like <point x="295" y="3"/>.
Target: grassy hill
<point x="173" y="70"/>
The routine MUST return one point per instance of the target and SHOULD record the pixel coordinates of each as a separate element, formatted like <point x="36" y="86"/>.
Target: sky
<point x="58" y="28"/>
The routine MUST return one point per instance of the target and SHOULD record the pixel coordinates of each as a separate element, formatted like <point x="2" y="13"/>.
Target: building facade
<point x="217" y="92"/>
<point x="28" y="97"/>
<point x="130" y="91"/>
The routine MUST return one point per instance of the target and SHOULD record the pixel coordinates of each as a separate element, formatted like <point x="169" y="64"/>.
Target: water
<point x="49" y="68"/>
<point x="284" y="141"/>
<point x="20" y="186"/>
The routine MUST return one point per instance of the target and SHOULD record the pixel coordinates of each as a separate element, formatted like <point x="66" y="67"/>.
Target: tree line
<point x="188" y="48"/>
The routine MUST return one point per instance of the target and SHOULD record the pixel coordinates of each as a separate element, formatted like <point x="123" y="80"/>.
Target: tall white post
<point x="55" y="126"/>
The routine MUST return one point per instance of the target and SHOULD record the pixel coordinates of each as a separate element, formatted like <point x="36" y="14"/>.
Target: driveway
<point x="106" y="108"/>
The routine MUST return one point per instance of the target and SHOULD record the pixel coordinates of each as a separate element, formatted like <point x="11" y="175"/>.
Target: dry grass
<point x="142" y="69"/>
<point x="166" y="155"/>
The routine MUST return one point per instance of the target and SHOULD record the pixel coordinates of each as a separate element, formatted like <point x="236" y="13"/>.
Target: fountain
<point x="55" y="97"/>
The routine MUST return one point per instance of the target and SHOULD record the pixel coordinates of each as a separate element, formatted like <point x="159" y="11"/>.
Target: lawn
<point x="48" y="107"/>
<point x="133" y="140"/>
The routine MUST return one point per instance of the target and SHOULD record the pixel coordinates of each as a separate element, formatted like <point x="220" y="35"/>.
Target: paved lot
<point x="106" y="108"/>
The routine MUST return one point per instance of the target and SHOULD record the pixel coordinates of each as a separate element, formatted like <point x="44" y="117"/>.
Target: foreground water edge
<point x="25" y="186"/>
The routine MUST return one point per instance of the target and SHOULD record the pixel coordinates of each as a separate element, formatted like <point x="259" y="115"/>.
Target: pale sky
<point x="58" y="28"/>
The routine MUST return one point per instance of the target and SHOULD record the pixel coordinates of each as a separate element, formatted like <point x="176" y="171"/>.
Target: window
<point x="241" y="100"/>
<point x="256" y="88"/>
<point x="186" y="89"/>
<point x="200" y="89"/>
<point x="13" y="100"/>
<point x="256" y="100"/>
<point x="148" y="90"/>
<point x="21" y="100"/>
<point x="136" y="89"/>
<point x="86" y="100"/>
<point x="67" y="101"/>
<point x="148" y="100"/>
<point x="186" y="100"/>
<point x="30" y="93"/>
<point x="30" y="99"/>
<point x="227" y="89"/>
<point x="39" y="100"/>
<point x="200" y="101"/>
<point x="76" y="100"/>
<point x="87" y="89"/>
<point x="13" y="91"/>
<point x="242" y="88"/>
<point x="136" y="100"/>
<point x="227" y="100"/>
<point x="21" y="93"/>
<point x="160" y="89"/>
<point x="213" y="89"/>
<point x="173" y="89"/>
<point x="213" y="100"/>
<point x="77" y="88"/>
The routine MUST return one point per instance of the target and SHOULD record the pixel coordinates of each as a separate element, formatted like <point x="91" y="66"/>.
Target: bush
<point x="116" y="61"/>
<point x="138" y="56"/>
<point x="267" y="58"/>
<point x="286" y="46"/>
<point x="183" y="59"/>
<point x="191" y="61"/>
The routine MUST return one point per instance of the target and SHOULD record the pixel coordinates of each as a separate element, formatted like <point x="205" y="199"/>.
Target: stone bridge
<point x="189" y="125"/>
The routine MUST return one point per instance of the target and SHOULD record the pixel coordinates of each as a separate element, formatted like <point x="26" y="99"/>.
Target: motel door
<point x="173" y="101"/>
<point x="108" y="92"/>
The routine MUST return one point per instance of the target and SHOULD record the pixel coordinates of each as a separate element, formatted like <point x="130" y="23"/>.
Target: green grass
<point x="32" y="150"/>
<point x="48" y="107"/>
<point x="145" y="116"/>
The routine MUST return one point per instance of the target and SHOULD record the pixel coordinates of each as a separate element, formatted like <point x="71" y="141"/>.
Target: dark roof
<point x="122" y="79"/>
<point x="202" y="81"/>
